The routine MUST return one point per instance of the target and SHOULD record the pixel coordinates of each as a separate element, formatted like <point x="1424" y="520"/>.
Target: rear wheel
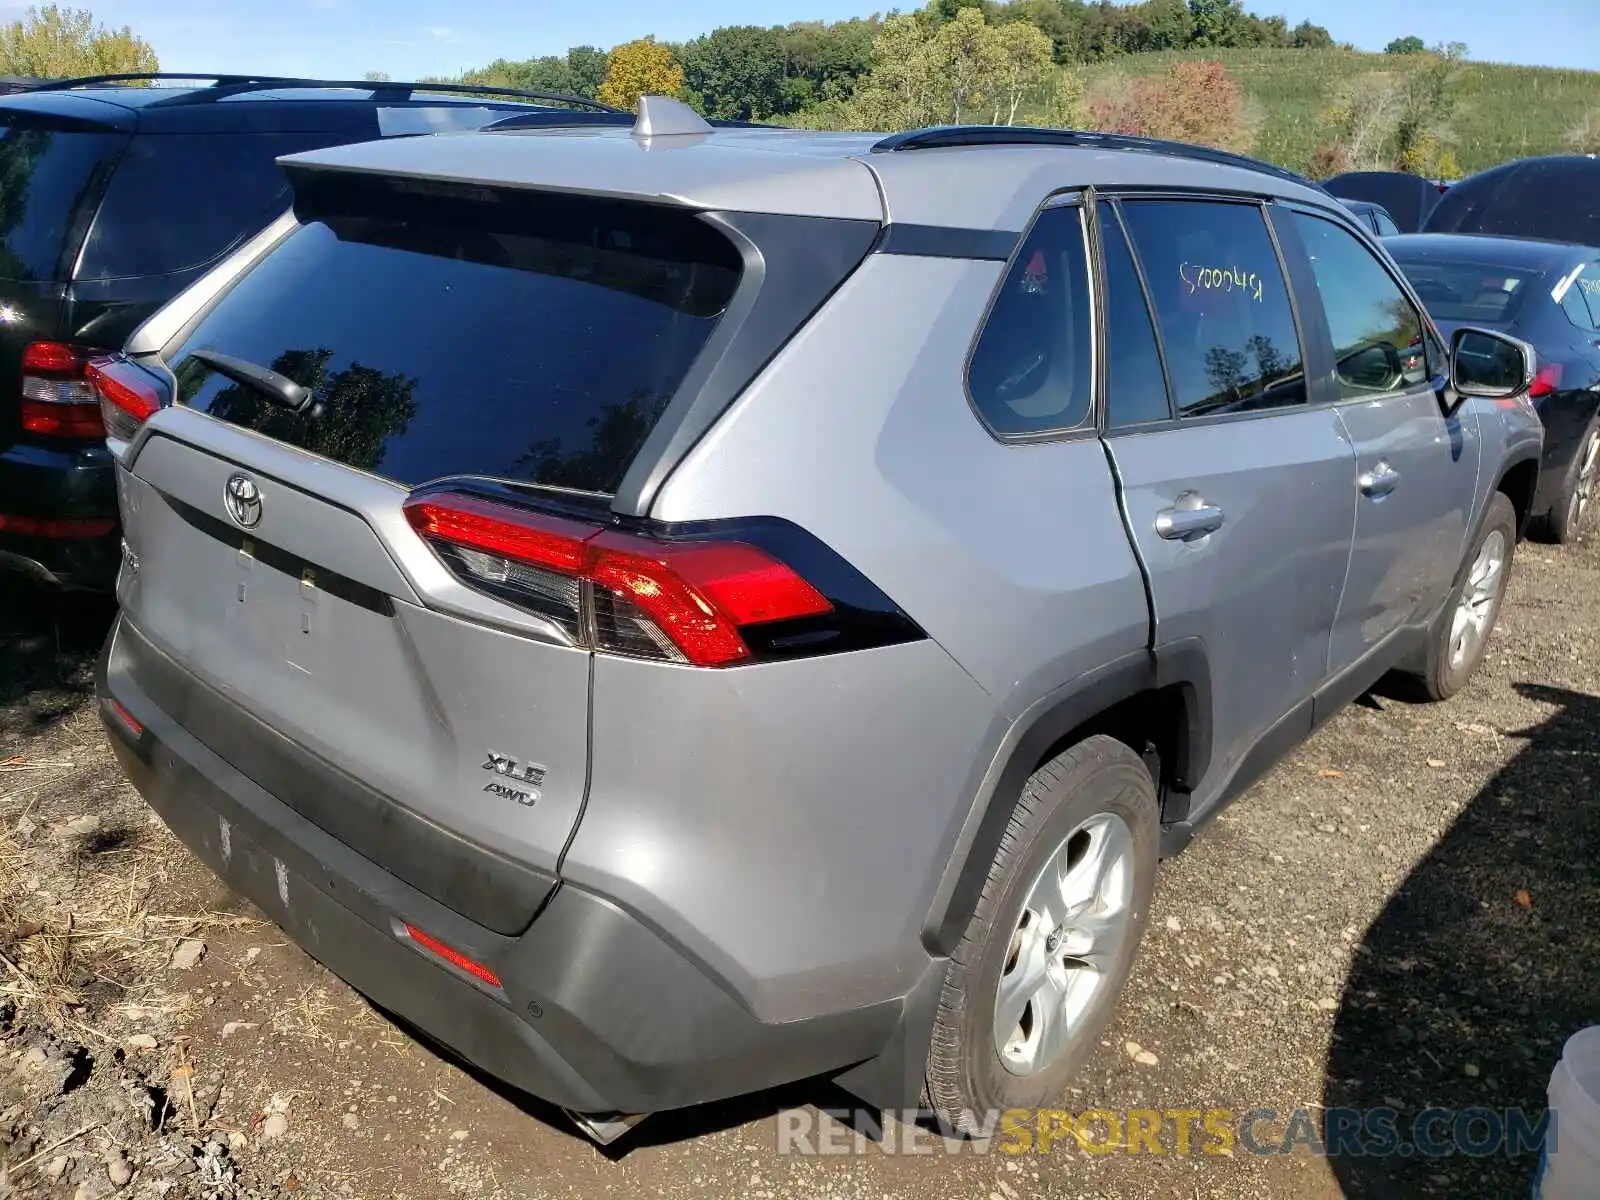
<point x="1572" y="512"/>
<point x="1461" y="634"/>
<point x="1035" y="979"/>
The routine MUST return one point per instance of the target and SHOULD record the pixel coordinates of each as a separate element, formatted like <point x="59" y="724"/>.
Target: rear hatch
<point x="432" y="332"/>
<point x="54" y="165"/>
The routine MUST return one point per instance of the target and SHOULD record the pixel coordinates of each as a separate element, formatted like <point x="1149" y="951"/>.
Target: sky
<point x="412" y="38"/>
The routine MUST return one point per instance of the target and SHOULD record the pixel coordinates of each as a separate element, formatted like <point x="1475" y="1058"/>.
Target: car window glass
<point x="48" y="177"/>
<point x="180" y="201"/>
<point x="1221" y="302"/>
<point x="1136" y="386"/>
<point x="524" y="336"/>
<point x="1386" y="227"/>
<point x="1582" y="299"/>
<point x="1031" y="370"/>
<point x="1376" y="330"/>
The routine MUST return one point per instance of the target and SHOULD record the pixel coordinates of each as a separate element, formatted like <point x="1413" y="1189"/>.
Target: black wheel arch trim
<point x="1183" y="666"/>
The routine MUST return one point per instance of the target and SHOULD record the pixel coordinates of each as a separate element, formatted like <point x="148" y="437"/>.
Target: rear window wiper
<point x="279" y="389"/>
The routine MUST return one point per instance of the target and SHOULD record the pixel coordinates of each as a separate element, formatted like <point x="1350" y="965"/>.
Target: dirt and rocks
<point x="1401" y="916"/>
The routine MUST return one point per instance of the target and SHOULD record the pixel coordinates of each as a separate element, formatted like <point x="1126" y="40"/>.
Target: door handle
<point x="1378" y="482"/>
<point x="1190" y="518"/>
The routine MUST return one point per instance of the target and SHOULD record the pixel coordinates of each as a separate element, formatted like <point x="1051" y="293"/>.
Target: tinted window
<point x="1475" y="293"/>
<point x="1031" y="370"/>
<point x="1556" y="198"/>
<point x="1136" y="387"/>
<point x="1221" y="302"/>
<point x="1377" y="331"/>
<point x="179" y="201"/>
<point x="451" y="338"/>
<point x="1386" y="227"/>
<point x="48" y="177"/>
<point x="1582" y="299"/>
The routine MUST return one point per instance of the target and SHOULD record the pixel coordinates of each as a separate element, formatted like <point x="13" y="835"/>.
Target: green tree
<point x="969" y="60"/>
<point x="587" y="67"/>
<point x="1024" y="64"/>
<point x="1065" y="106"/>
<point x="642" y="67"/>
<point x="1216" y="22"/>
<point x="738" y="72"/>
<point x="376" y="77"/>
<point x="58" y="43"/>
<point x="903" y="90"/>
<point x="1411" y="44"/>
<point x="1307" y="36"/>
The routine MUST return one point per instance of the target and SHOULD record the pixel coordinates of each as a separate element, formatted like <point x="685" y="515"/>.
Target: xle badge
<point x="531" y="774"/>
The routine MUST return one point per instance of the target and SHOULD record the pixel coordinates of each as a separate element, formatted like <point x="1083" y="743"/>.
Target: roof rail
<point x="944" y="136"/>
<point x="223" y="86"/>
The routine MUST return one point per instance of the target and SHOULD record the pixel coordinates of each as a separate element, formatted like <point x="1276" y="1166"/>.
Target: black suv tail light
<point x="712" y="595"/>
<point x="58" y="400"/>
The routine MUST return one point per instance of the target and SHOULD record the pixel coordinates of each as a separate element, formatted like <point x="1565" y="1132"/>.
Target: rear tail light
<point x="1546" y="382"/>
<point x="715" y="599"/>
<point x="126" y="395"/>
<point x="57" y="398"/>
<point x="56" y="527"/>
<point x="677" y="601"/>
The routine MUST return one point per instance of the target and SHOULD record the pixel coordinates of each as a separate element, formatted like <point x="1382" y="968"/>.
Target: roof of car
<point x="801" y="172"/>
<point x="1524" y="253"/>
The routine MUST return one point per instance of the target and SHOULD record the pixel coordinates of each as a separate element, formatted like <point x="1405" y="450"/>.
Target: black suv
<point x="113" y="199"/>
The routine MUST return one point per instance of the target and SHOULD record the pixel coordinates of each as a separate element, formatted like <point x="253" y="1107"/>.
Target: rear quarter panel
<point x="791" y="822"/>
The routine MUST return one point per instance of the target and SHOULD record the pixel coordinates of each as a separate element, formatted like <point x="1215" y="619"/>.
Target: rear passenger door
<point x="1417" y="469"/>
<point x="1237" y="493"/>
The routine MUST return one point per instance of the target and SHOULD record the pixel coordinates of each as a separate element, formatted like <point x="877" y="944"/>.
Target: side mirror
<point x="1376" y="365"/>
<point x="1489" y="364"/>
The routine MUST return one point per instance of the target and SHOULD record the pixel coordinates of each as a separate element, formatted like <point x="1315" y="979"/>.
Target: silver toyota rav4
<point x="670" y="611"/>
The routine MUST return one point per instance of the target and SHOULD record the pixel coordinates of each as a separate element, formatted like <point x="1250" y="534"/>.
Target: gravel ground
<point x="1400" y="916"/>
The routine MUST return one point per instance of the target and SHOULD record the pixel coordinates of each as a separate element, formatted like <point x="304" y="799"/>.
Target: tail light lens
<point x="687" y="601"/>
<point x="57" y="398"/>
<point x="1546" y="382"/>
<point x="126" y="395"/>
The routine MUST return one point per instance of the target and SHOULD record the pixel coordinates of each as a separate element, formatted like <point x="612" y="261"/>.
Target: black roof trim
<point x="611" y="116"/>
<point x="945" y="136"/>
<point x="223" y="86"/>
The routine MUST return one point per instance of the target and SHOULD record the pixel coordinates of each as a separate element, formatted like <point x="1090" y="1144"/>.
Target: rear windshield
<point x="50" y="173"/>
<point x="523" y="337"/>
<point x="1474" y="292"/>
<point x="1554" y="198"/>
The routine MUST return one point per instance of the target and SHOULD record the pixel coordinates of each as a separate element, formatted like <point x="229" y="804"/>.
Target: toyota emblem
<point x="242" y="498"/>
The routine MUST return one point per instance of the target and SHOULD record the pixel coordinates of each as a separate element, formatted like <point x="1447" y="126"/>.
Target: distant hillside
<point x="1503" y="111"/>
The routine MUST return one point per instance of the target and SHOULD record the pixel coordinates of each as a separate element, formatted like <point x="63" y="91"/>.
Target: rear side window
<point x="181" y="201"/>
<point x="1376" y="330"/>
<point x="1222" y="305"/>
<point x="519" y="336"/>
<point x="1136" y="387"/>
<point x="1386" y="227"/>
<point x="50" y="173"/>
<point x="1032" y="368"/>
<point x="1582" y="299"/>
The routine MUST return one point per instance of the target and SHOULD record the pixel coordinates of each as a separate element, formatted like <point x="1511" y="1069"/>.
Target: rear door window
<point x="50" y="175"/>
<point x="1222" y="304"/>
<point x="1581" y="301"/>
<point x="181" y="201"/>
<point x="447" y="331"/>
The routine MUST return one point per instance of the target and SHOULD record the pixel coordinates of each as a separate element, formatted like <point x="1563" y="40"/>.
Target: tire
<point x="1574" y="509"/>
<point x="1081" y="802"/>
<point x="1451" y="664"/>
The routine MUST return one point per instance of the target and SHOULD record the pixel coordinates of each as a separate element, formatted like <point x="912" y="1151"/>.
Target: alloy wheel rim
<point x="1479" y="595"/>
<point x="1583" y="486"/>
<point x="1065" y="945"/>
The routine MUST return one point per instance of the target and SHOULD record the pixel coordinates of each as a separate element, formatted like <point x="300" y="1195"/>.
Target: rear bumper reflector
<point x="454" y="957"/>
<point x="52" y="527"/>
